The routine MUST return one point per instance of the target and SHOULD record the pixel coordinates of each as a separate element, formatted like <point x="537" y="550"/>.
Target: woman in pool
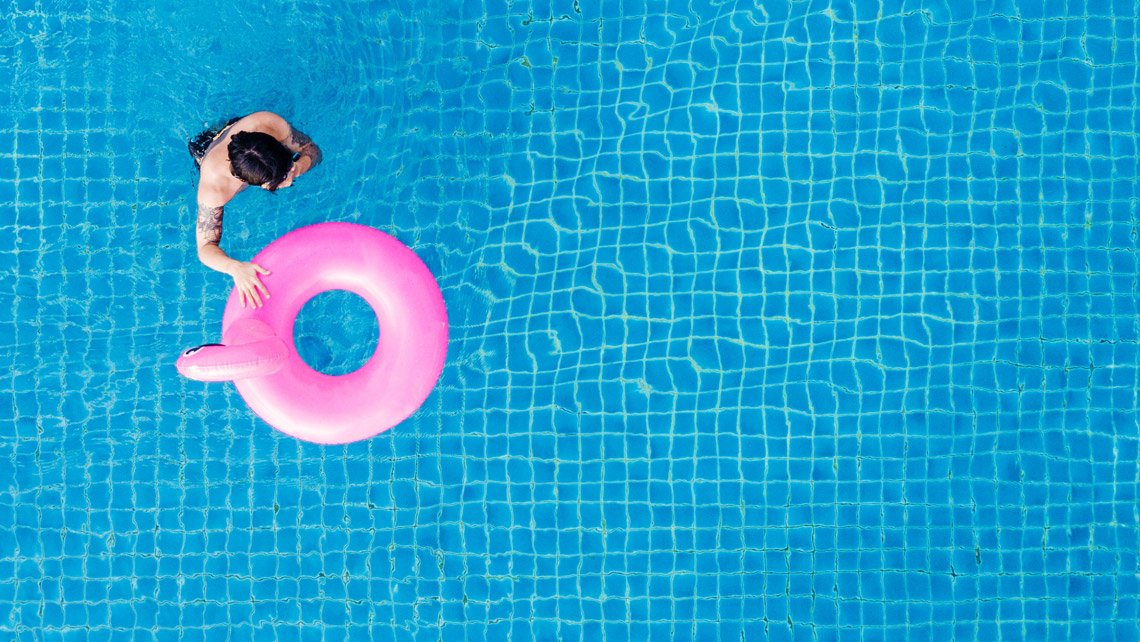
<point x="259" y="149"/>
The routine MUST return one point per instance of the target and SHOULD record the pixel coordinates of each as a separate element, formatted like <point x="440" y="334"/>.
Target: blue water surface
<point x="788" y="321"/>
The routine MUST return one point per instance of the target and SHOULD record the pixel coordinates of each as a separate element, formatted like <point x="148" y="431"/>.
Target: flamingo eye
<point x="195" y="349"/>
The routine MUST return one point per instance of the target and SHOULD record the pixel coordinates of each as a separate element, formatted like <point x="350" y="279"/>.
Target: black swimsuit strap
<point x="200" y="143"/>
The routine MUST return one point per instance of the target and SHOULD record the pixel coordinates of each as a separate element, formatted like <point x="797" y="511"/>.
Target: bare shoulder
<point x="213" y="189"/>
<point x="268" y="122"/>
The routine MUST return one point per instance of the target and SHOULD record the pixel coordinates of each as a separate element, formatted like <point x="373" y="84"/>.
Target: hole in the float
<point x="336" y="332"/>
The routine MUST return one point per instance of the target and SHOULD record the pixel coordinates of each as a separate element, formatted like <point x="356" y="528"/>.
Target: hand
<point x="289" y="176"/>
<point x="303" y="164"/>
<point x="248" y="285"/>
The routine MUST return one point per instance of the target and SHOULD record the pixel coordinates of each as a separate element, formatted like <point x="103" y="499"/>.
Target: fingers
<point x="250" y="288"/>
<point x="248" y="294"/>
<point x="261" y="286"/>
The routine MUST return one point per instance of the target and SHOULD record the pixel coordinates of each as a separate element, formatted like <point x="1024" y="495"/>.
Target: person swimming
<point x="259" y="149"/>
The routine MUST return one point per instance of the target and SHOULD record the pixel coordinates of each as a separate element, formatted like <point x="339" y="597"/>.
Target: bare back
<point x="217" y="185"/>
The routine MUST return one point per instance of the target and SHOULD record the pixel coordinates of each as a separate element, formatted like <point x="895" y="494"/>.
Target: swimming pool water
<point x="769" y="321"/>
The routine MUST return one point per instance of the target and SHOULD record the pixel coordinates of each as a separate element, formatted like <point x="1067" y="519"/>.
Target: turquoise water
<point x="793" y="321"/>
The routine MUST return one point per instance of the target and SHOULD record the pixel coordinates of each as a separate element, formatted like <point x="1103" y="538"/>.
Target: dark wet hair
<point x="259" y="159"/>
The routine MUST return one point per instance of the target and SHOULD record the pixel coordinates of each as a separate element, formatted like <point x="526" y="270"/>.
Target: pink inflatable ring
<point x="258" y="355"/>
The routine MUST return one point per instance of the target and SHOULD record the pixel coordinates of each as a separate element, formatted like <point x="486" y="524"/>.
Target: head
<point x="259" y="159"/>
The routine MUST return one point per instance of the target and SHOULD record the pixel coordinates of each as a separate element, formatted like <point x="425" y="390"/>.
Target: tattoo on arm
<point x="305" y="145"/>
<point x="210" y="223"/>
<point x="298" y="138"/>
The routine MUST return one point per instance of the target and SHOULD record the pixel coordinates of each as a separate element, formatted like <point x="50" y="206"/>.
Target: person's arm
<point x="209" y="236"/>
<point x="245" y="275"/>
<point x="300" y="143"/>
